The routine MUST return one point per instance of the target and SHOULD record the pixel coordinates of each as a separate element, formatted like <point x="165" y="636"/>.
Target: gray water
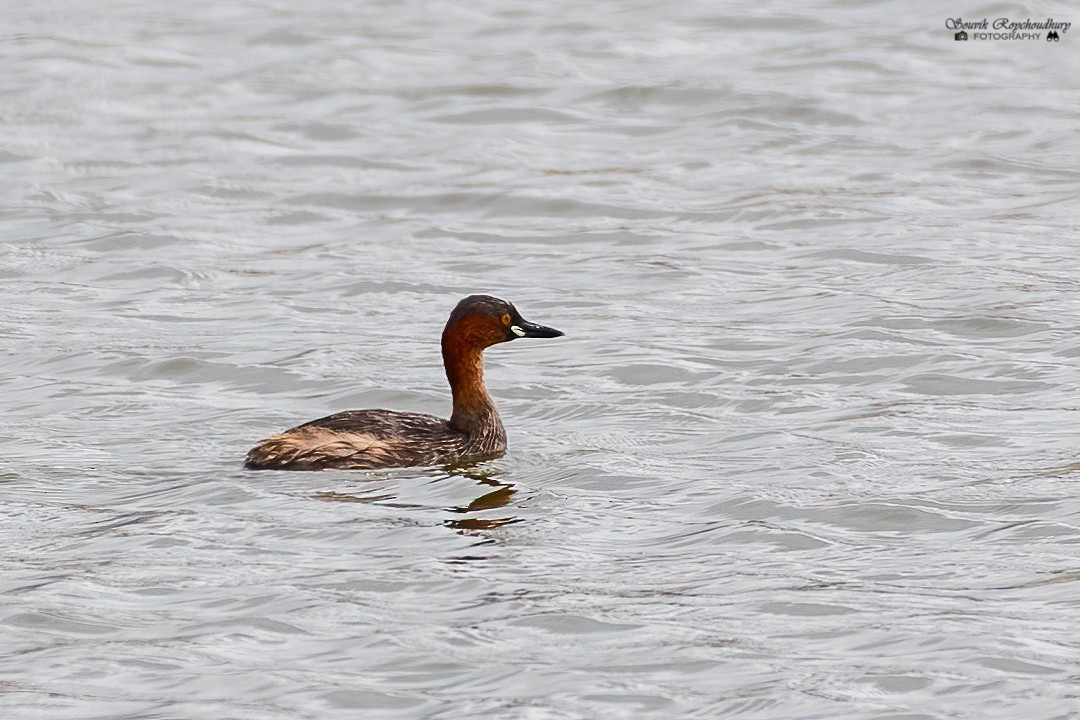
<point x="809" y="448"/>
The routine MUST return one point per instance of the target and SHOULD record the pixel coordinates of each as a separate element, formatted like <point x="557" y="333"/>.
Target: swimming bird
<point x="368" y="439"/>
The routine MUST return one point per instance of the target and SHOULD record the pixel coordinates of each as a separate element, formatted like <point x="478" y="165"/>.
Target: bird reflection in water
<point x="500" y="495"/>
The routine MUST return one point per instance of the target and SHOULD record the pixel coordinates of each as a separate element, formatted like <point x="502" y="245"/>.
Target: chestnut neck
<point x="474" y="412"/>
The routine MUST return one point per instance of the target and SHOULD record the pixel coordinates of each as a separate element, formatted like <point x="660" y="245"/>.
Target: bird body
<point x="366" y="439"/>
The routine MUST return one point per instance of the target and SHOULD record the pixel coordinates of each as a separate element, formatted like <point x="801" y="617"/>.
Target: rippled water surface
<point x="809" y="448"/>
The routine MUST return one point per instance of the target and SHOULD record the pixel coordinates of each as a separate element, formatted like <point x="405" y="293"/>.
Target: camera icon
<point x="960" y="36"/>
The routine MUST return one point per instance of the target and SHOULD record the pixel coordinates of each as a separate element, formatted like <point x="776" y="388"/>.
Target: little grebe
<point x="382" y="438"/>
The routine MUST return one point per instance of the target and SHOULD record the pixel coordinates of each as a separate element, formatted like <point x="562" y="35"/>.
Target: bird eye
<point x="505" y="319"/>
